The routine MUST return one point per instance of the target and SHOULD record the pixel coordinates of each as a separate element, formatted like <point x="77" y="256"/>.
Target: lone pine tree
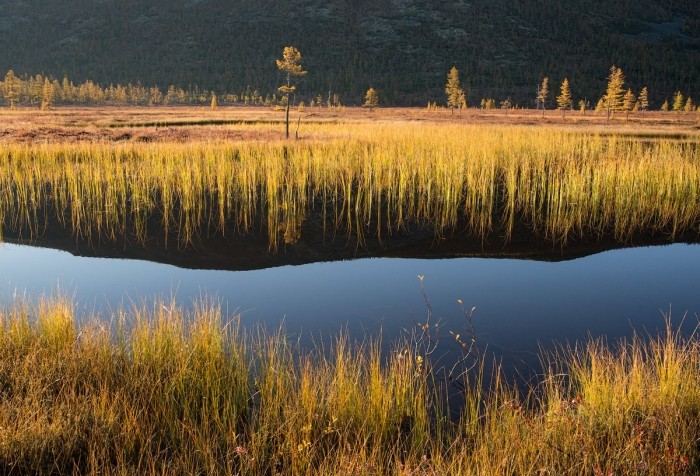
<point x="564" y="98"/>
<point x="643" y="99"/>
<point x="371" y="99"/>
<point x="453" y="90"/>
<point x="290" y="64"/>
<point x="542" y="93"/>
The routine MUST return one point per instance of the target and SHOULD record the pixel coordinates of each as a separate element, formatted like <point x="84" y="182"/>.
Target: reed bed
<point x="361" y="180"/>
<point x="156" y="390"/>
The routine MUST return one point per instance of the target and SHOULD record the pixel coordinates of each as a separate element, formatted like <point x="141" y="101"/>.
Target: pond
<point x="521" y="305"/>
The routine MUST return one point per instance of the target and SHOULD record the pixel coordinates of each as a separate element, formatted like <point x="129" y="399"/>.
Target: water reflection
<point x="520" y="304"/>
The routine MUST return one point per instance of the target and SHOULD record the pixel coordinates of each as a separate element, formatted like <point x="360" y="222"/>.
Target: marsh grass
<point x="161" y="391"/>
<point x="363" y="181"/>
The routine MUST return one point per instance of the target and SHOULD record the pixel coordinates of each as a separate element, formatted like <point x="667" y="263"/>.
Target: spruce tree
<point x="12" y="86"/>
<point x="643" y="99"/>
<point x="371" y="99"/>
<point x="290" y="64"/>
<point x="214" y="102"/>
<point x="48" y="93"/>
<point x="664" y="106"/>
<point x="542" y="93"/>
<point x="678" y="102"/>
<point x="462" y="100"/>
<point x="628" y="102"/>
<point x="454" y="91"/>
<point x="614" y="94"/>
<point x="600" y="105"/>
<point x="564" y="99"/>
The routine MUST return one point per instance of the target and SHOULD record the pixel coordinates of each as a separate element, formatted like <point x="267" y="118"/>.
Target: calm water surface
<point x="520" y="305"/>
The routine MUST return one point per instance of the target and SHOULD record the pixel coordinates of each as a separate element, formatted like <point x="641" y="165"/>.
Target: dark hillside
<point x="404" y="48"/>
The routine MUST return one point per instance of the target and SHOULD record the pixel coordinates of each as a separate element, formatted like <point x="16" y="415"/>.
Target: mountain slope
<point x="404" y="48"/>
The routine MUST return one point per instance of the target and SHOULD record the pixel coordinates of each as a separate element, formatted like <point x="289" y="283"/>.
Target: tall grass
<point x="160" y="391"/>
<point x="375" y="180"/>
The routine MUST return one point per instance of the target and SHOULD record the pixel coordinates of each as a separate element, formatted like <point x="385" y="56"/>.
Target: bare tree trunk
<point x="289" y="83"/>
<point x="287" y="119"/>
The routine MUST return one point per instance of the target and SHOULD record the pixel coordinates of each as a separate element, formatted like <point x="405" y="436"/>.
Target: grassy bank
<point x="160" y="391"/>
<point x="361" y="180"/>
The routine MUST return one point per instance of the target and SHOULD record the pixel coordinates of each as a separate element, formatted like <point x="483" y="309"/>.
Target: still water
<point x="520" y="305"/>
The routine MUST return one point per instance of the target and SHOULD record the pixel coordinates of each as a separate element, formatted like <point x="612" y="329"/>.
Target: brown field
<point x="194" y="124"/>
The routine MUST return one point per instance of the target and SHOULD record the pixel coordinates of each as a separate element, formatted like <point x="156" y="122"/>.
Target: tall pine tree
<point x="643" y="99"/>
<point x="614" y="94"/>
<point x="542" y="93"/>
<point x="628" y="103"/>
<point x="564" y="98"/>
<point x="678" y="102"/>
<point x="290" y="64"/>
<point x="12" y="88"/>
<point x="371" y="99"/>
<point x="455" y="94"/>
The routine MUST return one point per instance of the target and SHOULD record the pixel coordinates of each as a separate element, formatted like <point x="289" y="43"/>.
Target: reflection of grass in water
<point x="375" y="180"/>
<point x="172" y="393"/>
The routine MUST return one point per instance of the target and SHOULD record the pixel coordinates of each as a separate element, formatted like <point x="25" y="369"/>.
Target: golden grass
<point x="159" y="391"/>
<point x="362" y="179"/>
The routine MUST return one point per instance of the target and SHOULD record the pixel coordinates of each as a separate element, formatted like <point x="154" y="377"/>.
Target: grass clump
<point x="163" y="391"/>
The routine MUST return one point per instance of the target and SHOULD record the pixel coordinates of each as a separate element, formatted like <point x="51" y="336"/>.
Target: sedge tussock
<point x="169" y="391"/>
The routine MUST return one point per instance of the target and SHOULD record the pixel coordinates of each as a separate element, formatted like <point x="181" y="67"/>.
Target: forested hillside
<point x="403" y="48"/>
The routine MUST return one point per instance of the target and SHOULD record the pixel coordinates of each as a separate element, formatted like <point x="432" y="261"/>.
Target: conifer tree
<point x="214" y="102"/>
<point x="600" y="105"/>
<point x="462" y="100"/>
<point x="290" y="64"/>
<point x="12" y="88"/>
<point x="643" y="99"/>
<point x="371" y="99"/>
<point x="678" y="102"/>
<point x="628" y="102"/>
<point x="542" y="93"/>
<point x="582" y="106"/>
<point x="454" y="91"/>
<point x="614" y="94"/>
<point x="564" y="99"/>
<point x="34" y="89"/>
<point x="664" y="106"/>
<point x="48" y="94"/>
<point x="689" y="106"/>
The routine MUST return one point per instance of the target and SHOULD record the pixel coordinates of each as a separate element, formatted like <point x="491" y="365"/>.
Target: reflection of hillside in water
<point x="238" y="252"/>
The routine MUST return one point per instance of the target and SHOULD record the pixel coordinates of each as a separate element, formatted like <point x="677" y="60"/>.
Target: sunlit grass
<point x="158" y="390"/>
<point x="363" y="180"/>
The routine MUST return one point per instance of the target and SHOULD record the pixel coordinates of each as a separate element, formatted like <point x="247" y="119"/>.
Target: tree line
<point x="615" y="99"/>
<point x="46" y="92"/>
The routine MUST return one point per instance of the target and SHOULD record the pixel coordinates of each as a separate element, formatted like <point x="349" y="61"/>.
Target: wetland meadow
<point x="398" y="291"/>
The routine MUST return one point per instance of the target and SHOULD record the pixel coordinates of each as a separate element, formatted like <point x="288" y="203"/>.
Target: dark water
<point x="520" y="305"/>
